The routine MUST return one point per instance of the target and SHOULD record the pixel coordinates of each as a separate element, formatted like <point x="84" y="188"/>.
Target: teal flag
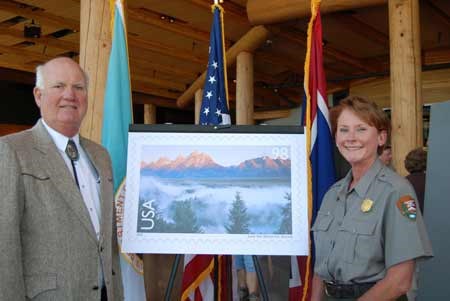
<point x="117" y="116"/>
<point x="117" y="105"/>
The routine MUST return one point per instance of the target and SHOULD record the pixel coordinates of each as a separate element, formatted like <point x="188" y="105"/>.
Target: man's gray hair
<point x="40" y="76"/>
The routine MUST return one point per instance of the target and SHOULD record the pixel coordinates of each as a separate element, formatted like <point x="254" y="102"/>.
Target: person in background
<point x="247" y="279"/>
<point x="57" y="220"/>
<point x="386" y="156"/>
<point x="416" y="164"/>
<point x="368" y="233"/>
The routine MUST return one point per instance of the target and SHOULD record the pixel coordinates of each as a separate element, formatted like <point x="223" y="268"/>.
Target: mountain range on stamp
<point x="194" y="194"/>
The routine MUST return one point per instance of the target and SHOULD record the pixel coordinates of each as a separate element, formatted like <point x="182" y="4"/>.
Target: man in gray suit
<point x="57" y="217"/>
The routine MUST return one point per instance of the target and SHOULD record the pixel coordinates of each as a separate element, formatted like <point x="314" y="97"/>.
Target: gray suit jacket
<point x="48" y="246"/>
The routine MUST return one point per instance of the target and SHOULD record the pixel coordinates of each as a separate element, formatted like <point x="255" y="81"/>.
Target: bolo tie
<point x="72" y="153"/>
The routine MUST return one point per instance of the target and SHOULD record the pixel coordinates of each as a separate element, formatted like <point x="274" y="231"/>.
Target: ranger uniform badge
<point x="366" y="205"/>
<point x="407" y="206"/>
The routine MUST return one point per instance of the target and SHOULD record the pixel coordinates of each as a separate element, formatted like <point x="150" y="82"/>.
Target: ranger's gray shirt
<point x="355" y="243"/>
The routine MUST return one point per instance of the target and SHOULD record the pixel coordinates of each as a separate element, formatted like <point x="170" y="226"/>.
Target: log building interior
<point x="394" y="52"/>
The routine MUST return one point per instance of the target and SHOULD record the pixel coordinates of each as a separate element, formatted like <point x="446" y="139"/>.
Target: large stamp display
<point x="208" y="190"/>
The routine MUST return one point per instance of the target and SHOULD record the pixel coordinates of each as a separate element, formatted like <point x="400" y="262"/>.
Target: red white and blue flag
<point x="320" y="146"/>
<point x="214" y="109"/>
<point x="198" y="277"/>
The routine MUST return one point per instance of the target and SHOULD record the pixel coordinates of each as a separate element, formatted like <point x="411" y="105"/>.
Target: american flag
<point x="320" y="146"/>
<point x="214" y="109"/>
<point x="198" y="276"/>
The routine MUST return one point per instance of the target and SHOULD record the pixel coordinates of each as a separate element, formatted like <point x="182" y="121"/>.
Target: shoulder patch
<point x="407" y="206"/>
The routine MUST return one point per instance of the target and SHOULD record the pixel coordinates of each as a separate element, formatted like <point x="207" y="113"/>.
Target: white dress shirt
<point x="88" y="179"/>
<point x="87" y="176"/>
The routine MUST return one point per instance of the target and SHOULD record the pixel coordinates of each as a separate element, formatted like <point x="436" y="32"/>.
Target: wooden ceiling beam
<point x="163" y="102"/>
<point x="143" y="44"/>
<point x="348" y="59"/>
<point x="231" y="9"/>
<point x="363" y="29"/>
<point x="430" y="57"/>
<point x="336" y="87"/>
<point x="438" y="11"/>
<point x="275" y="11"/>
<point x="299" y="37"/>
<point x="436" y="56"/>
<point x="41" y="16"/>
<point x="145" y="88"/>
<point x="271" y="95"/>
<point x="26" y="54"/>
<point x="146" y="66"/>
<point x="268" y="78"/>
<point x="164" y="49"/>
<point x="262" y="97"/>
<point x="157" y="81"/>
<point x="148" y="17"/>
<point x="43" y="40"/>
<point x="10" y="64"/>
<point x="276" y="60"/>
<point x="289" y="96"/>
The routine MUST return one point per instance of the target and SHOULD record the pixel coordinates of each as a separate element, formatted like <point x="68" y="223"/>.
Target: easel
<point x="176" y="263"/>
<point x="262" y="284"/>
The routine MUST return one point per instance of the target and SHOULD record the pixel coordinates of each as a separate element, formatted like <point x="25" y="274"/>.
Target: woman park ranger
<point x="368" y="232"/>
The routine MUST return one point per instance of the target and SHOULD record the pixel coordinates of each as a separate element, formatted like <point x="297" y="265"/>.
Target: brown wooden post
<point x="244" y="88"/>
<point x="198" y="105"/>
<point x="149" y="114"/>
<point x="406" y="84"/>
<point x="95" y="46"/>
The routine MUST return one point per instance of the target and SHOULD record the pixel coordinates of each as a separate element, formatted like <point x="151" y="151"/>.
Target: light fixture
<point x="32" y="30"/>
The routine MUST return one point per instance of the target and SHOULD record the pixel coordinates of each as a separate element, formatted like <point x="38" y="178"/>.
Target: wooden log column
<point x="406" y="84"/>
<point x="95" y="46"/>
<point x="244" y="88"/>
<point x="149" y="114"/>
<point x="198" y="105"/>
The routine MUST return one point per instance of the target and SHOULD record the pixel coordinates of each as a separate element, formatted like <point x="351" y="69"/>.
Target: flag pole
<point x="216" y="257"/>
<point x="217" y="287"/>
